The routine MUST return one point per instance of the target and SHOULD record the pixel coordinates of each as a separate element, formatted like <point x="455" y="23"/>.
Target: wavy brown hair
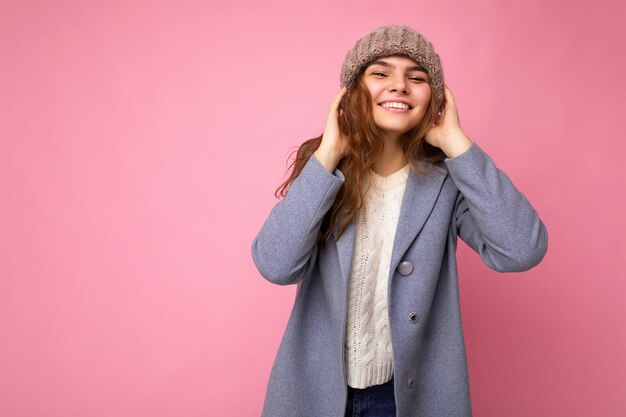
<point x="356" y="121"/>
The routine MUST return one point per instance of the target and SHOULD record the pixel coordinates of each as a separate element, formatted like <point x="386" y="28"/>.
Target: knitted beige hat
<point x="393" y="40"/>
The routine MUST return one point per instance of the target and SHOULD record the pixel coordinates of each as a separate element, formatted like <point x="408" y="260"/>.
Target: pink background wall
<point x="140" y="146"/>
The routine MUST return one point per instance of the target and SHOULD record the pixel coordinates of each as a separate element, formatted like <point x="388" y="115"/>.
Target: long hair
<point x="356" y="121"/>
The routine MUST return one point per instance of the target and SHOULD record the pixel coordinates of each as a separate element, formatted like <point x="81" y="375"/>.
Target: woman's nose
<point x="398" y="84"/>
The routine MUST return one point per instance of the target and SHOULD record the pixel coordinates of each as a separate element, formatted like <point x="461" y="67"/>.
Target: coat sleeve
<point x="285" y="250"/>
<point x="492" y="216"/>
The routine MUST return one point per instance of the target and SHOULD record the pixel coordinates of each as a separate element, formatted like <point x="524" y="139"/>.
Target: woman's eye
<point x="379" y="73"/>
<point x="417" y="79"/>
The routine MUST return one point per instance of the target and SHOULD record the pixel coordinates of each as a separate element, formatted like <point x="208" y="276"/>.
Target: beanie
<point x="394" y="40"/>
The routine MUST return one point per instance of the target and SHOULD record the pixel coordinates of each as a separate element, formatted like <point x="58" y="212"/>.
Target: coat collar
<point x="420" y="195"/>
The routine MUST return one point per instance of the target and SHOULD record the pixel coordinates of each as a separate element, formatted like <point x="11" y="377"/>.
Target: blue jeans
<point x="374" y="401"/>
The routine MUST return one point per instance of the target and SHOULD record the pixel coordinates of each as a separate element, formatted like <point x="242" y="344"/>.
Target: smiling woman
<point x="368" y="229"/>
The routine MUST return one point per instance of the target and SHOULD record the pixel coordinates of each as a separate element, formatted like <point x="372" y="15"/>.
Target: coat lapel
<point x="420" y="195"/>
<point x="418" y="201"/>
<point x="345" y="246"/>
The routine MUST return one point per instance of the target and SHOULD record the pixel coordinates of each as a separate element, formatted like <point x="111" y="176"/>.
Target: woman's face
<point x="400" y="93"/>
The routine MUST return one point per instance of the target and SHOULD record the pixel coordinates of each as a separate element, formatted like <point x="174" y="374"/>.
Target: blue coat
<point x="466" y="196"/>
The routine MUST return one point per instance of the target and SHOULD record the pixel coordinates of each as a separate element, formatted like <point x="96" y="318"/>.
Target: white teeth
<point x="396" y="105"/>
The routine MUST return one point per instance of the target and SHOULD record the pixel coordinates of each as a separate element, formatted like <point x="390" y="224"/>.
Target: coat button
<point x="414" y="317"/>
<point x="405" y="268"/>
<point x="410" y="382"/>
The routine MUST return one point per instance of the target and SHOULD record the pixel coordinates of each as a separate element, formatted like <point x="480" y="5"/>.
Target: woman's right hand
<point x="334" y="144"/>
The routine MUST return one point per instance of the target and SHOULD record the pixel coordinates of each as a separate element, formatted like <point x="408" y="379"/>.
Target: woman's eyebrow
<point x="387" y="64"/>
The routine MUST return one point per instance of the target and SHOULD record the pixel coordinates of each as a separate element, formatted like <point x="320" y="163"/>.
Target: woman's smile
<point x="396" y="106"/>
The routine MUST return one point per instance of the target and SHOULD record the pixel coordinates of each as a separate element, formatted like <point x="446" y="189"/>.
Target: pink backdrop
<point x="140" y="146"/>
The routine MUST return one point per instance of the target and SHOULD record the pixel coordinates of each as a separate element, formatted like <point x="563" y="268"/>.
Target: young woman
<point x="368" y="231"/>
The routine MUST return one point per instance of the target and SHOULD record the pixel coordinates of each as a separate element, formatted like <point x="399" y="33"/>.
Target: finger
<point x="448" y="94"/>
<point x="339" y="96"/>
<point x="337" y="99"/>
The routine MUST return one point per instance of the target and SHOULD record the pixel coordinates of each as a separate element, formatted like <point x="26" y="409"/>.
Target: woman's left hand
<point x="446" y="133"/>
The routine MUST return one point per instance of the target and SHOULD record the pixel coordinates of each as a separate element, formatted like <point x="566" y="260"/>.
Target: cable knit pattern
<point x="369" y="358"/>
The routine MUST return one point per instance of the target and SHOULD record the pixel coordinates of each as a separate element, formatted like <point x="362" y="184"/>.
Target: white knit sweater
<point x="369" y="359"/>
